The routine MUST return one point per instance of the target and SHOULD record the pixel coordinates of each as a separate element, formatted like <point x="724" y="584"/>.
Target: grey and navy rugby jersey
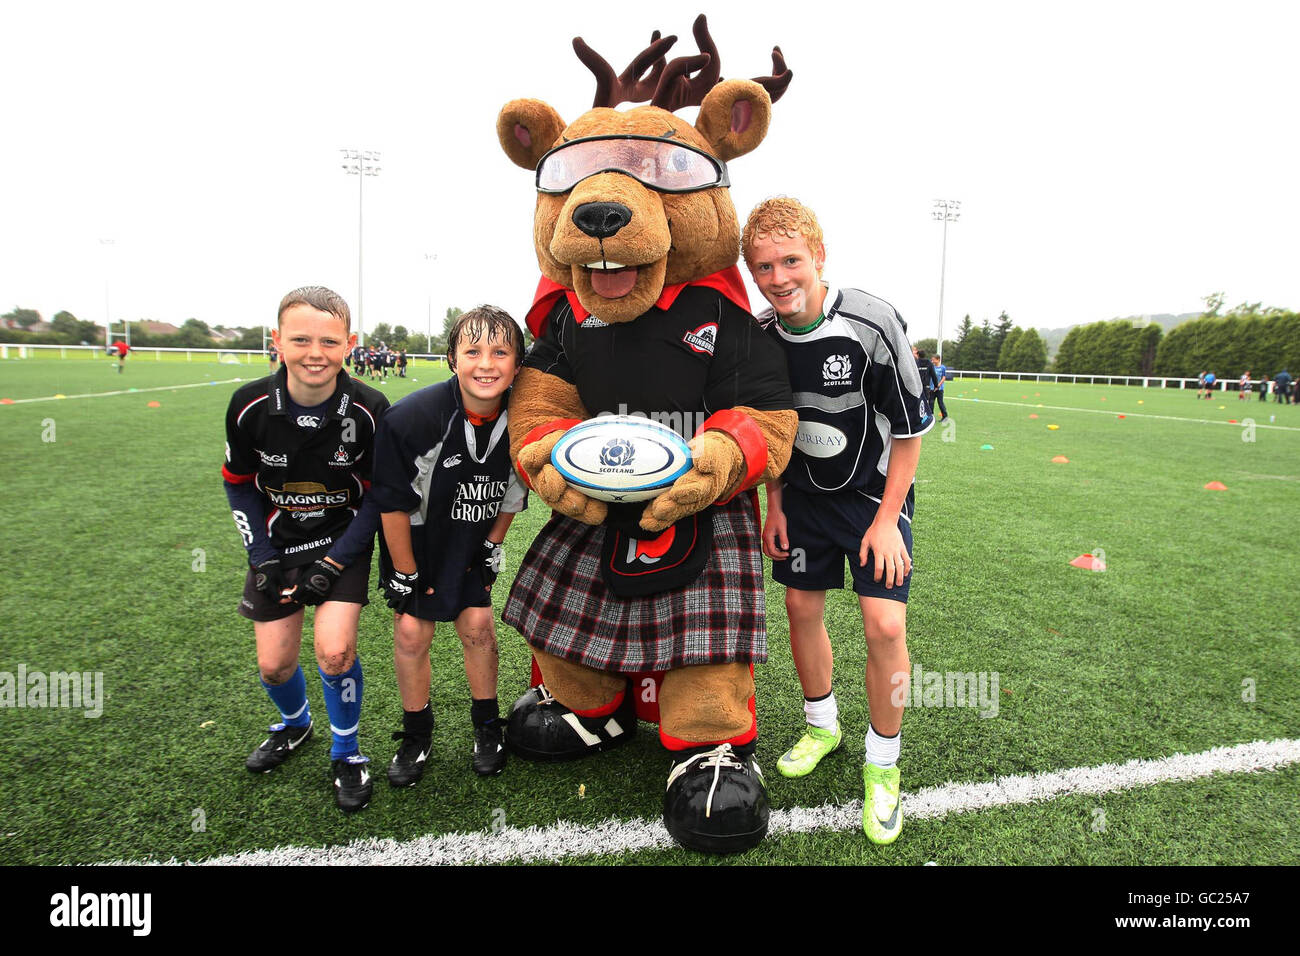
<point x="856" y="387"/>
<point x="450" y="473"/>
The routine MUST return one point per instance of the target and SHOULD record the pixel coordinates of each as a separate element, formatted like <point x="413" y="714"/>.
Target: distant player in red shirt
<point x="121" y="348"/>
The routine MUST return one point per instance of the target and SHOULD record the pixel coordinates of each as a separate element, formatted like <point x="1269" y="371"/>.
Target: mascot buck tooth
<point x="656" y="609"/>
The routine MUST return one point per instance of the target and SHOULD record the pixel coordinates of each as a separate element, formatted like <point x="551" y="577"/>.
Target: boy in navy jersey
<point x="847" y="491"/>
<point x="447" y="492"/>
<point x="299" y="449"/>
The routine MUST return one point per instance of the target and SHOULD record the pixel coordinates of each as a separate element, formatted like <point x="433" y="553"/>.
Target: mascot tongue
<point x="613" y="283"/>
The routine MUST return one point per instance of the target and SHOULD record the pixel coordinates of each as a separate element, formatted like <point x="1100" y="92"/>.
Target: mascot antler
<point x="671" y="85"/>
<point x="631" y="86"/>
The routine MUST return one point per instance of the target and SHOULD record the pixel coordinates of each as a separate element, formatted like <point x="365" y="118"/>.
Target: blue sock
<point x="343" y="703"/>
<point x="291" y="699"/>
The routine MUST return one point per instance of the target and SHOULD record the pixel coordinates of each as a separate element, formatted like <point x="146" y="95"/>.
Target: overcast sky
<point x="1111" y="159"/>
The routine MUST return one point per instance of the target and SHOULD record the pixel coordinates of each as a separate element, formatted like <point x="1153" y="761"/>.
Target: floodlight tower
<point x="946" y="211"/>
<point x="360" y="163"/>
<point x="429" y="259"/>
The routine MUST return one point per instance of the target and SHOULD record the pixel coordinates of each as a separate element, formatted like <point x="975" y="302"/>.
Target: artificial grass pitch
<point x="120" y="557"/>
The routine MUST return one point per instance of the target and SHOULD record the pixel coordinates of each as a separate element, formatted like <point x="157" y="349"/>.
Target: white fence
<point x="249" y="356"/>
<point x="245" y="356"/>
<point x="1144" y="381"/>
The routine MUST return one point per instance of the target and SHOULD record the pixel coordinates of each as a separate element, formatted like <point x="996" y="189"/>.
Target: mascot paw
<point x="717" y="467"/>
<point x="550" y="486"/>
<point x="536" y="455"/>
<point x="541" y="728"/>
<point x="560" y="496"/>
<point x="716" y="801"/>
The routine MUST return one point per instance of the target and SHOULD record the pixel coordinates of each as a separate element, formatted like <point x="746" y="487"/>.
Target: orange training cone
<point x="1216" y="486"/>
<point x="1060" y="460"/>
<point x="155" y="404"/>
<point x="1088" y="563"/>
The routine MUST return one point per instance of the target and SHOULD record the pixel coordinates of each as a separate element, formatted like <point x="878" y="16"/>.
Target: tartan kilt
<point x="561" y="605"/>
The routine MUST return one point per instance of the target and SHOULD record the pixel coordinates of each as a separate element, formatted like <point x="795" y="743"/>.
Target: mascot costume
<point x="656" y="609"/>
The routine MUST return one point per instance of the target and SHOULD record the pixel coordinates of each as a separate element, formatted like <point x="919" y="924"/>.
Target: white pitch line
<point x="563" y="839"/>
<point x="1101" y="411"/>
<point x="125" y="391"/>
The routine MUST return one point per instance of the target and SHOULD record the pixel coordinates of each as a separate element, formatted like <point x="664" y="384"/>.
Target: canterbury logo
<point x="451" y="461"/>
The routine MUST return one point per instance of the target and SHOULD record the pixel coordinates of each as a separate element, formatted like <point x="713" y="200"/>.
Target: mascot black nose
<point x="600" y="220"/>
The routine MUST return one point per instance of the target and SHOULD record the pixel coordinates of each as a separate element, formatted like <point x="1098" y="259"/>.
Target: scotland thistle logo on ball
<point x="617" y="454"/>
<point x="621" y="458"/>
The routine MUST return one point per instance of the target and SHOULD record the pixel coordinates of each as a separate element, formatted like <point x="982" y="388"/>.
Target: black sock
<point x="483" y="712"/>
<point x="418" y="721"/>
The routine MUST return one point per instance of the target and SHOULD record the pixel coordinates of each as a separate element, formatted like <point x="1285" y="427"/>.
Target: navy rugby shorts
<point x="824" y="530"/>
<point x="350" y="588"/>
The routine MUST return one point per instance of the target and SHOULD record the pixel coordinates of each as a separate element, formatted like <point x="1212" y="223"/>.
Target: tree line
<point x="1250" y="337"/>
<point x="398" y="337"/>
<point x="986" y="347"/>
<point x="67" y="329"/>
<point x="1116" y="347"/>
<point x="1263" y="341"/>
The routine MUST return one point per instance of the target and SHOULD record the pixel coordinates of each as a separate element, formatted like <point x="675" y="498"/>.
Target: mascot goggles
<point x="664" y="165"/>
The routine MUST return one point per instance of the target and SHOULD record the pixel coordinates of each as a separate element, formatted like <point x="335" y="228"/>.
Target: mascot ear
<point x="527" y="129"/>
<point x="734" y="118"/>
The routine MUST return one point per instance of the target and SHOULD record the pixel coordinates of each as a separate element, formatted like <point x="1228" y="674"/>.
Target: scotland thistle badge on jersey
<point x="836" y="370"/>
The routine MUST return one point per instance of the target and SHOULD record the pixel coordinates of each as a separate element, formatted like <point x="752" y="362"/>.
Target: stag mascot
<point x="654" y="609"/>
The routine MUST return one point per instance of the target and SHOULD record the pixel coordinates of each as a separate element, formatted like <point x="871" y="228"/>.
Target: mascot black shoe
<point x="716" y="801"/>
<point x="541" y="728"/>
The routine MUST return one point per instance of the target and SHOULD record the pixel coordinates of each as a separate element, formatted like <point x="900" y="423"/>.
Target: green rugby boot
<point x="803" y="758"/>
<point x="882" y="808"/>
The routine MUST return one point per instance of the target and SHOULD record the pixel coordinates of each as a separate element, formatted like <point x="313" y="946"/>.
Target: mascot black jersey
<point x="702" y="354"/>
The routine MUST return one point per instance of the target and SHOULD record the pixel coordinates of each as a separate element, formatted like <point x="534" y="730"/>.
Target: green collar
<point x="805" y="329"/>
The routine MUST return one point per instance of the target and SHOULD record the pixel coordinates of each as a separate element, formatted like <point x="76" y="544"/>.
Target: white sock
<point x="822" y="713"/>
<point x="882" y="751"/>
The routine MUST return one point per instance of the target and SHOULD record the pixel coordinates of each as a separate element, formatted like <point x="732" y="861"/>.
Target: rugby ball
<point x="621" y="458"/>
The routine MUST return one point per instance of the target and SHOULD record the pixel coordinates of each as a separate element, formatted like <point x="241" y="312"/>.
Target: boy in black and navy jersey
<point x="847" y="491"/>
<point x="299" y="453"/>
<point x="447" y="492"/>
